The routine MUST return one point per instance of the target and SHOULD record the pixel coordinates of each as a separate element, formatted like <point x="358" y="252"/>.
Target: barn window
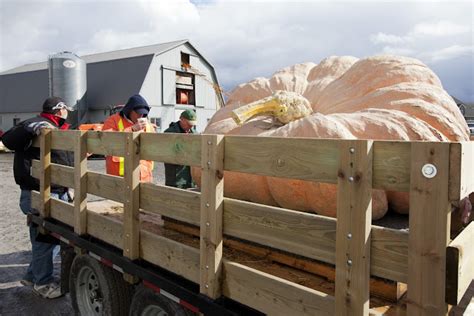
<point x="185" y="61"/>
<point x="185" y="88"/>
<point x="156" y="121"/>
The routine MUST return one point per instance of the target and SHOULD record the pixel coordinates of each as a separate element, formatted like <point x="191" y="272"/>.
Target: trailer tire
<point x="146" y="302"/>
<point x="96" y="289"/>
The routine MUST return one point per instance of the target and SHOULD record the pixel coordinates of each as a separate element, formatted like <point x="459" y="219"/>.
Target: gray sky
<point x="248" y="39"/>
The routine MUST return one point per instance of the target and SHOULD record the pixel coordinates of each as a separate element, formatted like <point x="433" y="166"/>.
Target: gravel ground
<point x="15" y="253"/>
<point x="15" y="249"/>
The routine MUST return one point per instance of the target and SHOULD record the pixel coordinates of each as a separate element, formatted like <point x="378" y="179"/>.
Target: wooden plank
<point x="105" y="228"/>
<point x="45" y="174"/>
<point x="171" y="255"/>
<point x="314" y="159"/>
<point x="353" y="230"/>
<point x="60" y="174"/>
<point x="461" y="170"/>
<point x="131" y="204"/>
<point x="429" y="230"/>
<point x="106" y="143"/>
<point x="63" y="140"/>
<point x="179" y="204"/>
<point x="459" y="265"/>
<point x="182" y="149"/>
<point x="389" y="253"/>
<point x="60" y="210"/>
<point x="80" y="182"/>
<point x="273" y="295"/>
<point x="291" y="231"/>
<point x="296" y="158"/>
<point x="107" y="186"/>
<point x="212" y="196"/>
<point x="312" y="236"/>
<point x="391" y="166"/>
<point x="166" y="253"/>
<point x="388" y="290"/>
<point x="103" y="185"/>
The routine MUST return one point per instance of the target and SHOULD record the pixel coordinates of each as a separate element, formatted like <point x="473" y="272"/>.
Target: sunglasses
<point x="60" y="106"/>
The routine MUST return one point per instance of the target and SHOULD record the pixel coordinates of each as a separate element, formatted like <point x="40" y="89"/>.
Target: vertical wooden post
<point x="131" y="225"/>
<point x="354" y="217"/>
<point x="80" y="183"/>
<point x="429" y="222"/>
<point x="212" y="197"/>
<point x="45" y="176"/>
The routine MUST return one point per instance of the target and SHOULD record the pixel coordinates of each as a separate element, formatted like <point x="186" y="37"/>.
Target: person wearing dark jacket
<point x="177" y="175"/>
<point x="20" y="138"/>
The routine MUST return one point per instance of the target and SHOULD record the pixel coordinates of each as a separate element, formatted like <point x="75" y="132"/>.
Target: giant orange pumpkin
<point x="379" y="98"/>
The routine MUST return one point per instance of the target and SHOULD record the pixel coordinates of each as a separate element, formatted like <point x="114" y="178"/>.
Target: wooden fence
<point x="356" y="248"/>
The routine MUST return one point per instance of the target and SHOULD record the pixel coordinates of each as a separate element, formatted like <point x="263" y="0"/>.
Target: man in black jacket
<point x="19" y="138"/>
<point x="177" y="175"/>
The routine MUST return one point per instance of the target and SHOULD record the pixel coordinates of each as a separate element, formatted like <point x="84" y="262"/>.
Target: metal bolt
<point x="207" y="286"/>
<point x="207" y="205"/>
<point x="349" y="236"/>
<point x="351" y="179"/>
<point x="207" y="267"/>
<point x="208" y="224"/>
<point x="209" y="142"/>
<point x="128" y="250"/>
<point x="208" y="163"/>
<point x="349" y="262"/>
<point x="429" y="170"/>
<point x="352" y="150"/>
<point x="128" y="235"/>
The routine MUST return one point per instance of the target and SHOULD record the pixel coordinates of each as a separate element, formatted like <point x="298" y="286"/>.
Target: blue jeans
<point x="40" y="270"/>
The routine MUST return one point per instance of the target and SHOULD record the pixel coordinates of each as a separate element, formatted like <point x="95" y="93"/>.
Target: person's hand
<point x="140" y="125"/>
<point x="36" y="127"/>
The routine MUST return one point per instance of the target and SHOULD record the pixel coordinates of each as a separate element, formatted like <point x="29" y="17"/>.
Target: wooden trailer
<point x="436" y="269"/>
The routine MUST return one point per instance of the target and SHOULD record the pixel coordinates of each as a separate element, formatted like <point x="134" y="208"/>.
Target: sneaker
<point x="26" y="282"/>
<point x="51" y="290"/>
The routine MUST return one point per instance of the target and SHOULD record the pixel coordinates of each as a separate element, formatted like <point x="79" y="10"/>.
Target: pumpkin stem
<point x="283" y="105"/>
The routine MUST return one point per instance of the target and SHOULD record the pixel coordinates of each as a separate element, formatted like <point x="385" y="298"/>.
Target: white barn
<point x="171" y="76"/>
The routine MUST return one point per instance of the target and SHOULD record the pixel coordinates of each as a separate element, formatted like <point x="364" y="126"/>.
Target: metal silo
<point x="68" y="80"/>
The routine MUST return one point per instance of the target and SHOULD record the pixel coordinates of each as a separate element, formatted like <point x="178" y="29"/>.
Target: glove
<point x="36" y="127"/>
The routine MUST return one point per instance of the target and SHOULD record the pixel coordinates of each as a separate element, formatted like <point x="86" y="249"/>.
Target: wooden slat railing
<point x="371" y="250"/>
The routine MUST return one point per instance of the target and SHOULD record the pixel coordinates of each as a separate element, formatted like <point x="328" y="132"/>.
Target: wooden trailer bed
<point x="358" y="250"/>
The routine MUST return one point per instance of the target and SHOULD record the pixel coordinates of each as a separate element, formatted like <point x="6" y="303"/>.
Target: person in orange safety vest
<point x="132" y="118"/>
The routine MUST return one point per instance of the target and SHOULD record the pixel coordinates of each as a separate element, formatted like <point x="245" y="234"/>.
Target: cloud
<point x="241" y="39"/>
<point x="382" y="38"/>
<point x="440" y="28"/>
<point x="450" y="52"/>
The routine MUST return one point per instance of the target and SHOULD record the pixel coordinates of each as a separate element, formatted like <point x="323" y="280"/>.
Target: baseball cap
<point x="54" y="104"/>
<point x="189" y="115"/>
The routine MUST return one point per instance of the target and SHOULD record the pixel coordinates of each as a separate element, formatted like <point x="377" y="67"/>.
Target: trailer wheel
<point x="146" y="302"/>
<point x="96" y="289"/>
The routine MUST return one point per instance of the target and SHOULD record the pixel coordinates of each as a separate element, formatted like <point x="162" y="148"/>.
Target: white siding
<point x="169" y="87"/>
<point x="159" y="87"/>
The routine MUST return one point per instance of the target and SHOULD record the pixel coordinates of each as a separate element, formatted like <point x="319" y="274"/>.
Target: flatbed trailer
<point x="201" y="279"/>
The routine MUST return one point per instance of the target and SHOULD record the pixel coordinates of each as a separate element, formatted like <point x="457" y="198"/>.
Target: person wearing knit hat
<point x="132" y="118"/>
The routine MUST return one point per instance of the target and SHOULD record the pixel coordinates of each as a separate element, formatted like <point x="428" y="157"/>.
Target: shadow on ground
<point x="17" y="299"/>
